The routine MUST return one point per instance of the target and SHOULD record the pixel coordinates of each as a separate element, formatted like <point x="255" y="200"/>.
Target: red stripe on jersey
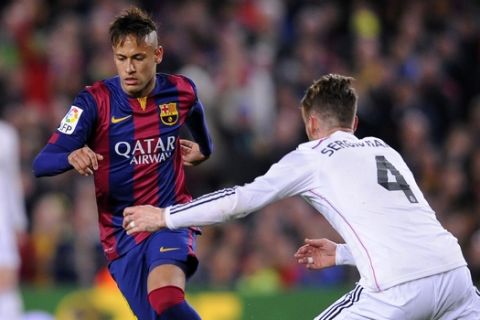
<point x="145" y="175"/>
<point x="181" y="193"/>
<point x="53" y="138"/>
<point x="101" y="145"/>
<point x="186" y="97"/>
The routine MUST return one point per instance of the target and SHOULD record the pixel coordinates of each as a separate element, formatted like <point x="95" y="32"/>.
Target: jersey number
<point x="383" y="166"/>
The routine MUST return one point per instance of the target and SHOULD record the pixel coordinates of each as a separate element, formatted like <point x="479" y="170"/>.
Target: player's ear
<point x="355" y="123"/>
<point x="311" y="126"/>
<point x="158" y="54"/>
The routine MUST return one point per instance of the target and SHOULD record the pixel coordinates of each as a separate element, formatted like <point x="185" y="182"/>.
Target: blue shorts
<point x="131" y="270"/>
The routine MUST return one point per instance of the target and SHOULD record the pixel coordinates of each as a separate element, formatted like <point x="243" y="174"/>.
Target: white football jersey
<point x="367" y="193"/>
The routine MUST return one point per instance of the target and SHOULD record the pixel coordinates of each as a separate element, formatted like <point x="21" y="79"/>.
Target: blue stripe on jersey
<point x="167" y="194"/>
<point x="121" y="172"/>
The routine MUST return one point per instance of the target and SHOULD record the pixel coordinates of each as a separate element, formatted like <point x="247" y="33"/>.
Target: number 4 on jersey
<point x="383" y="166"/>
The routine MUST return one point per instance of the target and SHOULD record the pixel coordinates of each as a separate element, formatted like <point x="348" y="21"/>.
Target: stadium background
<point x="417" y="65"/>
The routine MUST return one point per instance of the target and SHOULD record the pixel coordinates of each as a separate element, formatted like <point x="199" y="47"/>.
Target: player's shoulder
<point x="375" y="139"/>
<point x="99" y="92"/>
<point x="90" y="97"/>
<point x="301" y="153"/>
<point x="176" y="77"/>
<point x="182" y="82"/>
<point x="104" y="86"/>
<point x="312" y="144"/>
<point x="184" y="86"/>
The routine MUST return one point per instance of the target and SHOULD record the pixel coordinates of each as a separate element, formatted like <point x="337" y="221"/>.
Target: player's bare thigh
<point x="166" y="275"/>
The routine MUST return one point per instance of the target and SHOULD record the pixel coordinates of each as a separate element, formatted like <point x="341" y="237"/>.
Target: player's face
<point x="136" y="64"/>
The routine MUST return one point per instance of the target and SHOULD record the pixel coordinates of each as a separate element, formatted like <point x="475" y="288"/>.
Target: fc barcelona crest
<point x="169" y="113"/>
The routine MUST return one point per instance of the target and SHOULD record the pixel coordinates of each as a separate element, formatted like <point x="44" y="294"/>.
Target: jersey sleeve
<point x="73" y="133"/>
<point x="197" y="124"/>
<point x="343" y="255"/>
<point x="286" y="178"/>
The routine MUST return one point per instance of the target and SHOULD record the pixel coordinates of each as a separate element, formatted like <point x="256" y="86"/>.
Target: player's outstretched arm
<point x="317" y="253"/>
<point x="84" y="160"/>
<point x="191" y="154"/>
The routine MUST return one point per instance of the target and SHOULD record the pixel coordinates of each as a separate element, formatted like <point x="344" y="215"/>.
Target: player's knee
<point x="163" y="298"/>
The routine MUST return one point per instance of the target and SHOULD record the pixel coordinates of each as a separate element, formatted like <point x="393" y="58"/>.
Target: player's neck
<point x="344" y="129"/>
<point x="328" y="132"/>
<point x="149" y="87"/>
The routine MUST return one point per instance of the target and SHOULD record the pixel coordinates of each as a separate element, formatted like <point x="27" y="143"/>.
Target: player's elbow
<point x="207" y="150"/>
<point x="42" y="166"/>
<point x="36" y="168"/>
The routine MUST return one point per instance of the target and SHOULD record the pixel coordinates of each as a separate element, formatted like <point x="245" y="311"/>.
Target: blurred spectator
<point x="50" y="231"/>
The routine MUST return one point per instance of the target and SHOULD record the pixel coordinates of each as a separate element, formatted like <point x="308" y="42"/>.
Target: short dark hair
<point x="333" y="98"/>
<point x="133" y="21"/>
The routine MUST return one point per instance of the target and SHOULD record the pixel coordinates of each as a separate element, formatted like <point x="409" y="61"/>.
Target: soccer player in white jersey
<point x="13" y="223"/>
<point x="410" y="266"/>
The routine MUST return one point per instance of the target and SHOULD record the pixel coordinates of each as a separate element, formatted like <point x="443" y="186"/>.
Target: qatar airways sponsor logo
<point x="146" y="151"/>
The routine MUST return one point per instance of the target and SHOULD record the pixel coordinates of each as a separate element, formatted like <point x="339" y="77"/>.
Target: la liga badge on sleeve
<point x="70" y="121"/>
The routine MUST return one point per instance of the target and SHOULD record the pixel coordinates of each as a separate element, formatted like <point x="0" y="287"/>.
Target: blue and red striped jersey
<point x="139" y="140"/>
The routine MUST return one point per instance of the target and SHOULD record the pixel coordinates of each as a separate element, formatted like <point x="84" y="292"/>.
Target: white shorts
<point x="446" y="296"/>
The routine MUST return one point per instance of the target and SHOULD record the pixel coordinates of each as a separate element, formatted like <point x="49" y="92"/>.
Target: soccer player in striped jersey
<point x="125" y="131"/>
<point x="410" y="266"/>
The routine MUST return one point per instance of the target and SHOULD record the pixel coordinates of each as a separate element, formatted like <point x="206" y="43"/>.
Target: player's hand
<point x="317" y="253"/>
<point x="143" y="218"/>
<point x="84" y="160"/>
<point x="191" y="154"/>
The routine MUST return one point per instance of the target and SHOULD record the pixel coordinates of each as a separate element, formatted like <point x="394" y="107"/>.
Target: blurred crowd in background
<point x="417" y="70"/>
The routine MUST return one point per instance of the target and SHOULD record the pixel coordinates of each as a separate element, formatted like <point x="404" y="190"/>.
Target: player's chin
<point x="133" y="89"/>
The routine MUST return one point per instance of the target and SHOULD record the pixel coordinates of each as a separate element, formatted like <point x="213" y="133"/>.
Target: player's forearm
<point x="51" y="161"/>
<point x="199" y="130"/>
<point x="343" y="255"/>
<point x="216" y="207"/>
